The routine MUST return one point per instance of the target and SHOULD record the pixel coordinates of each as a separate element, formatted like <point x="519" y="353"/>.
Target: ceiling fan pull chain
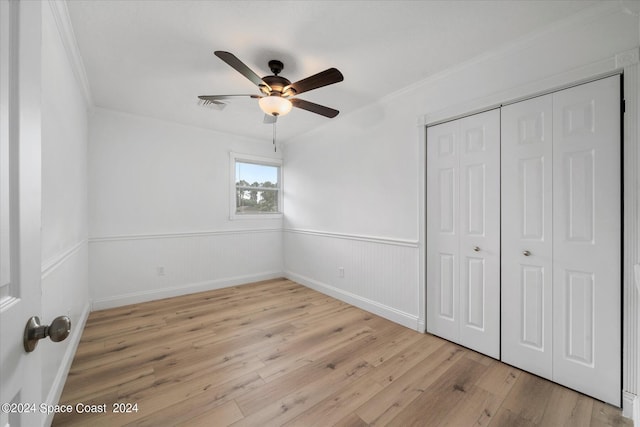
<point x="274" y="138"/>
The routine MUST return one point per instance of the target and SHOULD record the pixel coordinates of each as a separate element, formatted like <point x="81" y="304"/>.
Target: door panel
<point x="442" y="231"/>
<point x="587" y="239"/>
<point x="480" y="232"/>
<point x="526" y="226"/>
<point x="579" y="189"/>
<point x="579" y="316"/>
<point x="475" y="291"/>
<point x="532" y="313"/>
<point x="475" y="200"/>
<point x="447" y="286"/>
<point x="448" y="195"/>
<point x="20" y="198"/>
<point x="463" y="244"/>
<point x="531" y="175"/>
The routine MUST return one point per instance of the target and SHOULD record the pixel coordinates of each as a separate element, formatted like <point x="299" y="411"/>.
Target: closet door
<point x="443" y="231"/>
<point x="463" y="243"/>
<point x="479" y="243"/>
<point x="526" y="265"/>
<point x="561" y="237"/>
<point x="587" y="239"/>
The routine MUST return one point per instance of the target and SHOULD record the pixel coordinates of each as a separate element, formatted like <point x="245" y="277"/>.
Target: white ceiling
<point x="154" y="58"/>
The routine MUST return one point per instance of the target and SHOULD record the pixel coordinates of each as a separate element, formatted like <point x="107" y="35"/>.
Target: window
<point x="256" y="187"/>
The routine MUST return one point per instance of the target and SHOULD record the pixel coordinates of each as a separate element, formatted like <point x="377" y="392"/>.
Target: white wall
<point x="65" y="289"/>
<point x="159" y="212"/>
<point x="361" y="176"/>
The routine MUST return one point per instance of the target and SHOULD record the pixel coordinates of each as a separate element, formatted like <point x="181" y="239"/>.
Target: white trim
<point x="128" y="237"/>
<point x="54" y="262"/>
<point x="156" y="294"/>
<point x="422" y="227"/>
<point x="584" y="74"/>
<point x="68" y="38"/>
<point x="357" y="237"/>
<point x="389" y="313"/>
<point x="258" y="160"/>
<point x="627" y="58"/>
<point x="139" y="116"/>
<point x="631" y="407"/>
<point x="61" y="376"/>
<point x="589" y="14"/>
<point x="586" y="15"/>
<point x="630" y="238"/>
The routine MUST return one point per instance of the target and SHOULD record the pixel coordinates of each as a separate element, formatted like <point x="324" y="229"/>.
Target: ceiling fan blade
<point x="314" y="108"/>
<point x="217" y="97"/>
<point x="240" y="67"/>
<point x="269" y="119"/>
<point x="323" y="78"/>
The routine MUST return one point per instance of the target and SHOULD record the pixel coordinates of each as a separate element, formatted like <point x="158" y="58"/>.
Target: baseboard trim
<point x="389" y="313"/>
<point x="631" y="407"/>
<point x="61" y="376"/>
<point x="156" y="294"/>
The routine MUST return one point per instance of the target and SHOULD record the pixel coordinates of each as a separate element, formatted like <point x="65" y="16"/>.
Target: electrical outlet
<point x="340" y="271"/>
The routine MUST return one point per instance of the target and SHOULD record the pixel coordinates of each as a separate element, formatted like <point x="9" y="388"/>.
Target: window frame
<point x="257" y="160"/>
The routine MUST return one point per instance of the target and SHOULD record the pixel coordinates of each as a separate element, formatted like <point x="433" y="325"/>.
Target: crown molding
<point x="68" y="37"/>
<point x="587" y="15"/>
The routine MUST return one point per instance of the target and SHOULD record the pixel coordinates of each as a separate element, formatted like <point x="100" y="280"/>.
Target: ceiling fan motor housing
<point x="277" y="85"/>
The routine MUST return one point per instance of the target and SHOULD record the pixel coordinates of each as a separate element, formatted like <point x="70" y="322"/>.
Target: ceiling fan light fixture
<point x="275" y="105"/>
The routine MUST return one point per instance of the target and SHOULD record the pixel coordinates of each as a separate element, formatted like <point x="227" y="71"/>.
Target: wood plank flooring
<point x="276" y="353"/>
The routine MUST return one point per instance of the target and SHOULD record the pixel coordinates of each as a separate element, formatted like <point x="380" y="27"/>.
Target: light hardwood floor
<point x="277" y="353"/>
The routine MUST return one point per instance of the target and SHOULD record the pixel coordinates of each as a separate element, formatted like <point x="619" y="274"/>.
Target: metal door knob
<point x="526" y="253"/>
<point x="34" y="331"/>
<point x="476" y="248"/>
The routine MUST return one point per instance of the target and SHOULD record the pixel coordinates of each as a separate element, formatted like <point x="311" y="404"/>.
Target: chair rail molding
<point x="173" y="235"/>
<point x="357" y="237"/>
<point x="54" y="262"/>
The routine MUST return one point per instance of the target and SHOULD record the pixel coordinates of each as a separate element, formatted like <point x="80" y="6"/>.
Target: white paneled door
<point x="561" y="237"/>
<point x="463" y="231"/>
<point x="20" y="211"/>
<point x="587" y="212"/>
<point x="527" y="229"/>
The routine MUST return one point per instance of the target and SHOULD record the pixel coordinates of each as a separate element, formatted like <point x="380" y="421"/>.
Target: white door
<point x="442" y="231"/>
<point x="587" y="254"/>
<point x="463" y="231"/>
<point x="20" y="376"/>
<point x="561" y="237"/>
<point x="527" y="235"/>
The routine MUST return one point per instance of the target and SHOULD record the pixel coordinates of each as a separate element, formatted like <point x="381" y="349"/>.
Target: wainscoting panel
<point x="376" y="274"/>
<point x="64" y="293"/>
<point x="137" y="268"/>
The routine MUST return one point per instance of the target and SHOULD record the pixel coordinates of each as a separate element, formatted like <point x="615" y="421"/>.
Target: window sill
<point x="234" y="217"/>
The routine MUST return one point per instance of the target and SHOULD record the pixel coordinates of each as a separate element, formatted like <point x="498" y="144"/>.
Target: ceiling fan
<point x="277" y="97"/>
